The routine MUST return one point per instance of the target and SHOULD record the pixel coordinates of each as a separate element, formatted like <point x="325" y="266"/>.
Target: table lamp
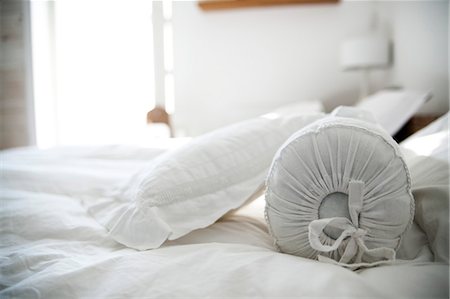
<point x="363" y="54"/>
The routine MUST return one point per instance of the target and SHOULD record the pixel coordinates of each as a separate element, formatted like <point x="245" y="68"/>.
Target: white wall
<point x="235" y="64"/>
<point x="420" y="33"/>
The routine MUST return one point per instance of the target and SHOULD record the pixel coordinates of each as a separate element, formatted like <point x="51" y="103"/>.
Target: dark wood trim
<point x="413" y="125"/>
<point x="159" y="115"/>
<point x="229" y="4"/>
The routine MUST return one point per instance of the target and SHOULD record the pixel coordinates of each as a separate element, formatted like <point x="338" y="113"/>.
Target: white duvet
<point x="51" y="248"/>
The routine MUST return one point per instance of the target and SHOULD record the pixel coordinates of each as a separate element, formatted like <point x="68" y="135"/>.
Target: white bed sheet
<point x="50" y="247"/>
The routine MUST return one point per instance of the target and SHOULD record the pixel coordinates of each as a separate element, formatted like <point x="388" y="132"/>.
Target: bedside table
<point x="413" y="125"/>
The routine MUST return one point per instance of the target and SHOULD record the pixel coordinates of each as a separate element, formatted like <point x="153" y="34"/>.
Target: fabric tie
<point x="355" y="251"/>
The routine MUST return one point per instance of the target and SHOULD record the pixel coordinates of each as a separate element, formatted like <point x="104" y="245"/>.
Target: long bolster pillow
<point x="339" y="191"/>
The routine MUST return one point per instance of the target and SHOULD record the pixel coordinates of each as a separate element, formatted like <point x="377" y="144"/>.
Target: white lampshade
<point x="364" y="53"/>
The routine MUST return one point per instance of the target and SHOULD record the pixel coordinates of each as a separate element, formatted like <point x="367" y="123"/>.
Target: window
<point x="93" y="65"/>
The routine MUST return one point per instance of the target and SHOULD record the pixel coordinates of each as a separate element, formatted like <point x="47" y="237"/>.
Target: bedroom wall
<point x="16" y="117"/>
<point x="235" y="64"/>
<point x="420" y="32"/>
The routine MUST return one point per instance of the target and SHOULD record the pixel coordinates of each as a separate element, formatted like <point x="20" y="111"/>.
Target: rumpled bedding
<point x="50" y="247"/>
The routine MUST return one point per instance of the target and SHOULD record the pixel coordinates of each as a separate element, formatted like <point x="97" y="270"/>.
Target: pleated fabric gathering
<point x="339" y="190"/>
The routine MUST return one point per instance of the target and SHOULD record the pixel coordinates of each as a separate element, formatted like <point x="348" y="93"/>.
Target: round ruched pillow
<point x="339" y="191"/>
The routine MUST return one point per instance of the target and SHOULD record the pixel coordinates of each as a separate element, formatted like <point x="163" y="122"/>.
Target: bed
<point x="51" y="245"/>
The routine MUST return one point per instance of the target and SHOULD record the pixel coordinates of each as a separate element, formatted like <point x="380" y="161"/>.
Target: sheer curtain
<point x="93" y="67"/>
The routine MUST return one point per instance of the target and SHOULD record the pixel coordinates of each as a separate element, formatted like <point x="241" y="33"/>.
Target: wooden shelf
<point x="229" y="4"/>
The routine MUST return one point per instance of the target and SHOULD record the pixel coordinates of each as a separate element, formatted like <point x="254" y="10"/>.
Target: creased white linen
<point x="74" y="170"/>
<point x="430" y="181"/>
<point x="427" y="155"/>
<point x="68" y="255"/>
<point x="50" y="247"/>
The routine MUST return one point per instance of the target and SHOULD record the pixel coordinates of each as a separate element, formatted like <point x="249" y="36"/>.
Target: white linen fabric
<point x="193" y="186"/>
<point x="427" y="155"/>
<point x="340" y="189"/>
<point x="431" y="140"/>
<point x="51" y="247"/>
<point x="393" y="108"/>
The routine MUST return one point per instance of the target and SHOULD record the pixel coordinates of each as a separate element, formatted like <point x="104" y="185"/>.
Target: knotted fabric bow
<point x="355" y="251"/>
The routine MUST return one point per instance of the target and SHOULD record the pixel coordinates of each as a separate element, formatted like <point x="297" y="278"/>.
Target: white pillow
<point x="193" y="186"/>
<point x="393" y="108"/>
<point x="339" y="190"/>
